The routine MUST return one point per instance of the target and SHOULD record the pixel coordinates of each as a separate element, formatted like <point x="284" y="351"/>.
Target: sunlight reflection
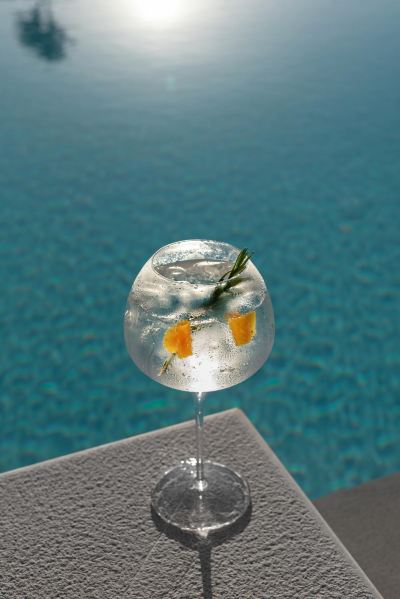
<point x="160" y="13"/>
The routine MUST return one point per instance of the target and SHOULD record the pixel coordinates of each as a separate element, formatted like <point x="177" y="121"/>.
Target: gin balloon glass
<point x="199" y="318"/>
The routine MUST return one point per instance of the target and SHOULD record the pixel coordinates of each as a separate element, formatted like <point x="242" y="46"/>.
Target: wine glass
<point x="199" y="318"/>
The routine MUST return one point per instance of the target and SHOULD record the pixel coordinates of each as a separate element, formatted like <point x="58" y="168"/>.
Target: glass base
<point x="219" y="501"/>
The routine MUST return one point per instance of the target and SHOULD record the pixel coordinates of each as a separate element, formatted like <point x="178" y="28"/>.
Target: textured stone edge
<point x="253" y="432"/>
<point x="366" y="518"/>
<point x="126" y="440"/>
<point x="311" y="507"/>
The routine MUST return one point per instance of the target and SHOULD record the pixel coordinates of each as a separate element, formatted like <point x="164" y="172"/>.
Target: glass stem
<point x="199" y="419"/>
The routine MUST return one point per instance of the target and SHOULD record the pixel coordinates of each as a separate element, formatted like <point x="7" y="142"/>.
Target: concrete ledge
<point x="80" y="527"/>
<point x="366" y="519"/>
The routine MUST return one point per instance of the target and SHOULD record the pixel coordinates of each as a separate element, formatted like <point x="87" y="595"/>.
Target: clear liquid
<point x="197" y="272"/>
<point x="182" y="292"/>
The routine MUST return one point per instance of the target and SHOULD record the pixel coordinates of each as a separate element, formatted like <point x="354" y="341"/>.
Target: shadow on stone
<point x="203" y="546"/>
<point x="38" y="30"/>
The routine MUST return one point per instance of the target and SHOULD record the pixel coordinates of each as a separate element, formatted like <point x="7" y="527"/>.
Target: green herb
<point x="231" y="277"/>
<point x="227" y="281"/>
<point x="166" y="365"/>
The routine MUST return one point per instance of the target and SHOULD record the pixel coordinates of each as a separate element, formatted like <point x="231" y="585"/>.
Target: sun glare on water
<point x="160" y="13"/>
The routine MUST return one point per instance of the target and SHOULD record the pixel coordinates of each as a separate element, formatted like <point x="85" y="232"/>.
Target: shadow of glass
<point x="38" y="30"/>
<point x="203" y="546"/>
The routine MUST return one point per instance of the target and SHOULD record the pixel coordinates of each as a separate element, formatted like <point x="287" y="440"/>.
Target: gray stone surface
<point x="367" y="520"/>
<point x="80" y="527"/>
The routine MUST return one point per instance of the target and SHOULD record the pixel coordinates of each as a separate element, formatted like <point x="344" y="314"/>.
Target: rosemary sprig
<point x="230" y="276"/>
<point x="228" y="280"/>
<point x="166" y="364"/>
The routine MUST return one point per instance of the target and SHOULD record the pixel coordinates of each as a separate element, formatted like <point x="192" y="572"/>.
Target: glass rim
<point x="180" y="242"/>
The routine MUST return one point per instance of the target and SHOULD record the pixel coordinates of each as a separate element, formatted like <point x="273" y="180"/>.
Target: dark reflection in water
<point x="38" y="30"/>
<point x="203" y="546"/>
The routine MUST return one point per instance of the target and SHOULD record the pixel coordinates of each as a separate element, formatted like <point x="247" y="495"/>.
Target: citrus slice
<point x="178" y="339"/>
<point x="243" y="327"/>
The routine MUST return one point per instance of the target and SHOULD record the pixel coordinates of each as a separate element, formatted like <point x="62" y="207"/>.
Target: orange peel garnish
<point x="178" y="339"/>
<point x="243" y="327"/>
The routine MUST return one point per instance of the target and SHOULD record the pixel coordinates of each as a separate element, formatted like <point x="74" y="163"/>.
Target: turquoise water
<point x="275" y="126"/>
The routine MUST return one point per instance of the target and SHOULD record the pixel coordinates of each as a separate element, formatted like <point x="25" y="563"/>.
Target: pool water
<point x="274" y="126"/>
